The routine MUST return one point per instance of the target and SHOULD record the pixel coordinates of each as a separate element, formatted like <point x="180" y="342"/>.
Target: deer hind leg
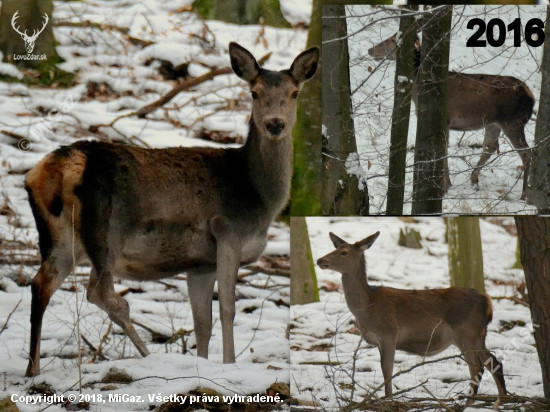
<point x="228" y="260"/>
<point x="201" y="290"/>
<point x="387" y="357"/>
<point x="101" y="292"/>
<point x="495" y="367"/>
<point x="49" y="278"/>
<point x="517" y="139"/>
<point x="490" y="146"/>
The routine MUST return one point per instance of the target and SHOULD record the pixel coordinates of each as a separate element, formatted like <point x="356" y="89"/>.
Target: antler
<point x="43" y="26"/>
<point x="15" y="16"/>
<point x="35" y="32"/>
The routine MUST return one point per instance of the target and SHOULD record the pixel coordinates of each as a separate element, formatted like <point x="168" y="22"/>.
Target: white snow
<point x="115" y="78"/>
<point x="325" y="331"/>
<point x="500" y="181"/>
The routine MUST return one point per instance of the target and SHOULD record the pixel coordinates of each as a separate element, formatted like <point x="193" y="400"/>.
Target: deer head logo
<point x="29" y="40"/>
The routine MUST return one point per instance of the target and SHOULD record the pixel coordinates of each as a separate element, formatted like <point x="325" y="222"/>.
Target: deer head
<point x="274" y="94"/>
<point x="347" y="258"/>
<point x="29" y="40"/>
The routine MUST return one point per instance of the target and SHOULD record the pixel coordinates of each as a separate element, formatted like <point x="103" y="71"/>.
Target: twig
<point x="430" y="341"/>
<point x="151" y="107"/>
<point x="438" y="400"/>
<point x="147" y="328"/>
<point x="358" y="405"/>
<point x="327" y="363"/>
<point x="254" y="269"/>
<point x="105" y="26"/>
<point x="9" y="316"/>
<point x="12" y="135"/>
<point x="78" y="334"/>
<point x="512" y="298"/>
<point x="100" y="346"/>
<point x="187" y="85"/>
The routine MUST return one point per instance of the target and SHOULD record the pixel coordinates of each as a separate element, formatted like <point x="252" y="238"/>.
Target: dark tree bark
<point x="534" y="240"/>
<point x="303" y="281"/>
<point x="307" y="182"/>
<point x="465" y="252"/>
<point x="404" y="72"/>
<point x="344" y="193"/>
<point x="30" y="18"/>
<point x="539" y="177"/>
<point x="242" y="11"/>
<point x="432" y="128"/>
<point x="308" y="171"/>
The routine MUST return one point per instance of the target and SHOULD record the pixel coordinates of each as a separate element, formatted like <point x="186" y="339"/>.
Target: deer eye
<point x="295" y="94"/>
<point x="254" y="95"/>
<point x="344" y="253"/>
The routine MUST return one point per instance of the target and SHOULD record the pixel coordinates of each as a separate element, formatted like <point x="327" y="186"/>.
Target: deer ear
<point x="243" y="63"/>
<point x="336" y="241"/>
<point x="305" y="65"/>
<point x="367" y="242"/>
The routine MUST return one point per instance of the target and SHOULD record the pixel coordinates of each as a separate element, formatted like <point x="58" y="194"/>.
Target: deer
<point x="479" y="101"/>
<point x="420" y="322"/>
<point x="29" y="40"/>
<point x="147" y="214"/>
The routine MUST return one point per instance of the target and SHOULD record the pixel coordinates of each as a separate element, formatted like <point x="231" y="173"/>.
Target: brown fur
<point x="480" y="101"/>
<point x="147" y="214"/>
<point x="421" y="322"/>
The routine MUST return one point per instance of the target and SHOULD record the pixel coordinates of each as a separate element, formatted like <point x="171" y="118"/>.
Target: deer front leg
<point x="476" y="371"/>
<point x="490" y="146"/>
<point x="101" y="292"/>
<point x="201" y="290"/>
<point x="228" y="259"/>
<point x="387" y="356"/>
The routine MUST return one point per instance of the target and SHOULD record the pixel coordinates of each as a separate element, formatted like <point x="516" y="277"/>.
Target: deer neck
<point x="269" y="168"/>
<point x="358" y="292"/>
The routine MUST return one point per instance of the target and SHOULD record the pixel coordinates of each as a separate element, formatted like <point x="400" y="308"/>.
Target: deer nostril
<point x="275" y="126"/>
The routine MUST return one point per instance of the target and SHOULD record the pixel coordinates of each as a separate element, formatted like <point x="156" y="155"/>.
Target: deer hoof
<point x="475" y="186"/>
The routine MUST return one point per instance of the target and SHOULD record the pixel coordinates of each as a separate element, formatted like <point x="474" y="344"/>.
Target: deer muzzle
<point x="322" y="263"/>
<point x="275" y="126"/>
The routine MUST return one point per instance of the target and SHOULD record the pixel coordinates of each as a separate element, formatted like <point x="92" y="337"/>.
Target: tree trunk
<point x="432" y="129"/>
<point x="307" y="182"/>
<point x="267" y="12"/>
<point x="30" y="19"/>
<point x="534" y="239"/>
<point x="465" y="252"/>
<point x="539" y="178"/>
<point x="344" y="189"/>
<point x="308" y="168"/>
<point x="303" y="281"/>
<point x="404" y="72"/>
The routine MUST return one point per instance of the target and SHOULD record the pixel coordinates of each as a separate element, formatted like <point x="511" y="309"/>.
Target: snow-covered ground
<point x="372" y="84"/>
<point x="114" y="78"/>
<point x="325" y="343"/>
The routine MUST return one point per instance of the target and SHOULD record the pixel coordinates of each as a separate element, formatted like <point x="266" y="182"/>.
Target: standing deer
<point x="480" y="101"/>
<point x="147" y="214"/>
<point x="421" y="322"/>
<point x="29" y="40"/>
